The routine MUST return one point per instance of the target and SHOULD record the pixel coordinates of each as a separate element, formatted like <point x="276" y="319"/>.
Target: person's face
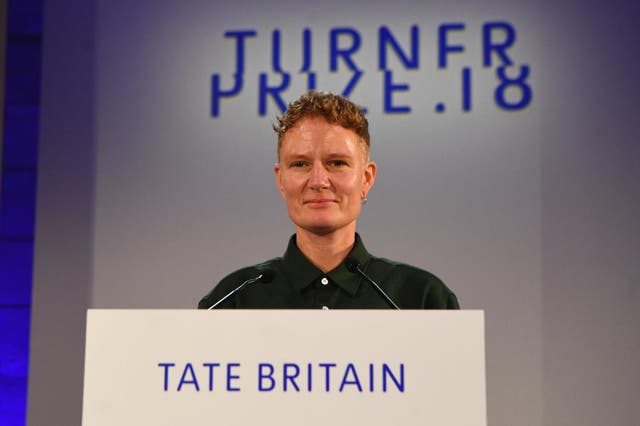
<point x="323" y="172"/>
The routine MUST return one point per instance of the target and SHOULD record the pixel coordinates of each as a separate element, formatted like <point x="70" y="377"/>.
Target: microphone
<point x="265" y="276"/>
<point x="354" y="266"/>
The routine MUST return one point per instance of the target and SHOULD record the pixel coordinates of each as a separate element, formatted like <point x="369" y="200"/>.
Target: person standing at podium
<point x="324" y="174"/>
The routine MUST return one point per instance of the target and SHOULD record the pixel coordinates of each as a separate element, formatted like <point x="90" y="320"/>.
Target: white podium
<point x="284" y="367"/>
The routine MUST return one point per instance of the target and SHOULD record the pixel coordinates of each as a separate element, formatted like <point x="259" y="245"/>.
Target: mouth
<point x="319" y="202"/>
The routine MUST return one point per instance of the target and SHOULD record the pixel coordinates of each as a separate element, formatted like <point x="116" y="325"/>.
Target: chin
<point x="320" y="222"/>
<point x="322" y="227"/>
<point x="318" y="227"/>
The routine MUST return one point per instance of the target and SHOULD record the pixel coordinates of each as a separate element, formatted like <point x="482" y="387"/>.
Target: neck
<point x="328" y="250"/>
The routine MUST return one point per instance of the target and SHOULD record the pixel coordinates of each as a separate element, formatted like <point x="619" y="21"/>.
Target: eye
<point x="297" y="164"/>
<point x="338" y="163"/>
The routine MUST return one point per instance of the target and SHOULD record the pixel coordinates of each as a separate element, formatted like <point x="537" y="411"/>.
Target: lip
<point x="319" y="201"/>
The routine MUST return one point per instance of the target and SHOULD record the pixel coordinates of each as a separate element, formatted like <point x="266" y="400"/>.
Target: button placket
<point x="324" y="293"/>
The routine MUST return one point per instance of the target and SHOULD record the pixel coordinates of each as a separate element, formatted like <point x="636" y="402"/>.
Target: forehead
<point x="316" y="133"/>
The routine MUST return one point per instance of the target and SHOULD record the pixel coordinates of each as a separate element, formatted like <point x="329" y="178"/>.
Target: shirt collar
<point x="302" y="273"/>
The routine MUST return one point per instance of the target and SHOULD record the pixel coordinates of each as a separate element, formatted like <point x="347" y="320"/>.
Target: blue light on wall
<point x="17" y="204"/>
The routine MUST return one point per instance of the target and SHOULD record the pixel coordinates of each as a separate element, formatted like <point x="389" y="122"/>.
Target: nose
<point x="319" y="178"/>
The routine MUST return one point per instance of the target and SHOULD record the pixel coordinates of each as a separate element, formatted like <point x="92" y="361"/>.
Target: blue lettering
<point x="443" y="47"/>
<point x="517" y="83"/>
<point x="346" y="52"/>
<point x="231" y="376"/>
<point x="240" y="36"/>
<point x="389" y="88"/>
<point x="311" y="81"/>
<point x="268" y="376"/>
<point x="466" y="89"/>
<point x="500" y="48"/>
<point x="275" y="52"/>
<point x="265" y="90"/>
<point x="188" y="378"/>
<point x="166" y="366"/>
<point x="351" y="370"/>
<point x="306" y="50"/>
<point x="387" y="372"/>
<point x="217" y="93"/>
<point x="327" y="368"/>
<point x="352" y="84"/>
<point x="385" y="38"/>
<point x="371" y="378"/>
<point x="306" y="59"/>
<point x="211" y="366"/>
<point x="396" y="50"/>
<point x="290" y="376"/>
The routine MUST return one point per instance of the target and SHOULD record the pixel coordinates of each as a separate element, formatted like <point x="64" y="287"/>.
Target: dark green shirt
<point x="298" y="283"/>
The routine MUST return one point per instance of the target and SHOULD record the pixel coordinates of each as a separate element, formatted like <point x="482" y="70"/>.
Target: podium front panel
<point x="284" y="367"/>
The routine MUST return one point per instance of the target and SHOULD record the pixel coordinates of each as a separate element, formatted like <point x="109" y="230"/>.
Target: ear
<point x="369" y="177"/>
<point x="278" y="174"/>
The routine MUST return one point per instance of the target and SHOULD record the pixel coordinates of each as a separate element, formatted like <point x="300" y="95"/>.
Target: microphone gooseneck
<point x="353" y="266"/>
<point x="265" y="276"/>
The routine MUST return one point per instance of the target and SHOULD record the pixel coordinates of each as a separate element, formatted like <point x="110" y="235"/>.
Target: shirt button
<point x="324" y="281"/>
<point x="325" y="308"/>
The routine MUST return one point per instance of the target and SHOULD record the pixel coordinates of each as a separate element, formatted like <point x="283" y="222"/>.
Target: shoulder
<point x="415" y="287"/>
<point x="392" y="266"/>
<point x="237" y="277"/>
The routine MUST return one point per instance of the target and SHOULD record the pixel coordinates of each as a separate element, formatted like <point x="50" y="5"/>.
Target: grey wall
<point x="145" y="200"/>
<point x="590" y="211"/>
<point x="62" y="265"/>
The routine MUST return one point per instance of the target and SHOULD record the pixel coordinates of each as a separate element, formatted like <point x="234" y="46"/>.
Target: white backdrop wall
<point x="528" y="214"/>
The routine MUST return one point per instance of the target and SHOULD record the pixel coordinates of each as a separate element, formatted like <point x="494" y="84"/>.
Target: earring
<point x="363" y="200"/>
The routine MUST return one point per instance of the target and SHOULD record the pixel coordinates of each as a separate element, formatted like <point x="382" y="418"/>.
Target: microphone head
<point x="352" y="264"/>
<point x="267" y="275"/>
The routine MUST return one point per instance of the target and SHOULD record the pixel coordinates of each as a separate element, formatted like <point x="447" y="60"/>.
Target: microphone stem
<point x="377" y="287"/>
<point x="231" y="293"/>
